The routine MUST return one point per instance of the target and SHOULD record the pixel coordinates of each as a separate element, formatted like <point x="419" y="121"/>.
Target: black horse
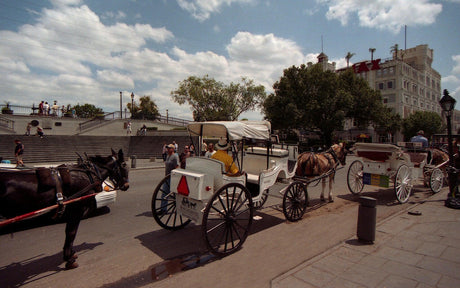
<point x="26" y="190"/>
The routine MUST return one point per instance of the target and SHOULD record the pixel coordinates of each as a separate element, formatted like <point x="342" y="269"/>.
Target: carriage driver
<point x="222" y="155"/>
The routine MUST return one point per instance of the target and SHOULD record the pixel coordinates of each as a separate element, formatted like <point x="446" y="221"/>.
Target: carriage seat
<point x="207" y="166"/>
<point x="418" y="158"/>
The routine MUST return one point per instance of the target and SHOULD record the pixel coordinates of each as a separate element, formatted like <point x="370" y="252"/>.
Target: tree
<point x="387" y="121"/>
<point x="428" y="121"/>
<point x="213" y="100"/>
<point x="87" y="110"/>
<point x="308" y="98"/>
<point x="348" y="57"/>
<point x="366" y="102"/>
<point x="394" y="50"/>
<point x="147" y="109"/>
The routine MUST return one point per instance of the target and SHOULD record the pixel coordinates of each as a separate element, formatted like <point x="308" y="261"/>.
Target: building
<point x="407" y="83"/>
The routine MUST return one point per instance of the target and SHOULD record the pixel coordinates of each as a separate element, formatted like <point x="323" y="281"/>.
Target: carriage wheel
<point x="355" y="177"/>
<point x="227" y="219"/>
<point x="403" y="183"/>
<point x="295" y="201"/>
<point x="258" y="204"/>
<point x="164" y="207"/>
<point x="436" y="180"/>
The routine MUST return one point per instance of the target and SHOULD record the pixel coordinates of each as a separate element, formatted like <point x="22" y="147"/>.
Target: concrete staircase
<point x="63" y="148"/>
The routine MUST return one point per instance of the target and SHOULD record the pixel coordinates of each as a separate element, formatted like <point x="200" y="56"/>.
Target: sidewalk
<point x="409" y="251"/>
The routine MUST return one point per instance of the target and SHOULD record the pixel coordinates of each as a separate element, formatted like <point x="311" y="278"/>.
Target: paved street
<point x="126" y="248"/>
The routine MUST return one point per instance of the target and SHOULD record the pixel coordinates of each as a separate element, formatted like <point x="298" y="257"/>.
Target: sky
<point x="87" y="51"/>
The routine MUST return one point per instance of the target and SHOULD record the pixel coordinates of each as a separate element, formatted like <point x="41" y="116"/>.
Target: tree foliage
<point x="314" y="99"/>
<point x="428" y="121"/>
<point x="146" y="109"/>
<point x="87" y="110"/>
<point x="213" y="100"/>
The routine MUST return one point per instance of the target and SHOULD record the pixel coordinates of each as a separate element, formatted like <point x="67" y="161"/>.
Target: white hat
<point x="222" y="144"/>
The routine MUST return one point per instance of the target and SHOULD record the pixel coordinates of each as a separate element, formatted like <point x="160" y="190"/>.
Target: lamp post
<point x="447" y="104"/>
<point x="121" y="109"/>
<point x="132" y="104"/>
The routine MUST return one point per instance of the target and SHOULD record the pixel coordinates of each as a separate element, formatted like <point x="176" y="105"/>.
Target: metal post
<point x="121" y="109"/>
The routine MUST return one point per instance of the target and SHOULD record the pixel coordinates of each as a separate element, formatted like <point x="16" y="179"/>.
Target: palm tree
<point x="394" y="49"/>
<point x="372" y="50"/>
<point x="349" y="55"/>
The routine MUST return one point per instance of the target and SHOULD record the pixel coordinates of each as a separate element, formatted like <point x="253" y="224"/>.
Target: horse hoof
<point x="331" y="199"/>
<point x="69" y="266"/>
<point x="322" y="199"/>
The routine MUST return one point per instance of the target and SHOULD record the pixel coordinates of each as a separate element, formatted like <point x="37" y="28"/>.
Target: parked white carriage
<point x="221" y="203"/>
<point x="383" y="164"/>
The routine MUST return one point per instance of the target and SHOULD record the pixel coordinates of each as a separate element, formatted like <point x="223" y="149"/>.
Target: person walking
<point x="18" y="151"/>
<point x="171" y="163"/>
<point x="29" y="126"/>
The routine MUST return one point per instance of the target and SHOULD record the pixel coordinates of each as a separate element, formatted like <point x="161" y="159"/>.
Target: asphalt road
<point x="124" y="247"/>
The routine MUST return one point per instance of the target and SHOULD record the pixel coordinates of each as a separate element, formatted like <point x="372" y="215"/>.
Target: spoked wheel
<point x="295" y="201"/>
<point x="403" y="183"/>
<point x="436" y="180"/>
<point x="259" y="204"/>
<point x="355" y="177"/>
<point x="227" y="219"/>
<point x="164" y="207"/>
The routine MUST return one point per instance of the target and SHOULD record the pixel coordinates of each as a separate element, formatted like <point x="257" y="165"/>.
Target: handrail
<point x="7" y="123"/>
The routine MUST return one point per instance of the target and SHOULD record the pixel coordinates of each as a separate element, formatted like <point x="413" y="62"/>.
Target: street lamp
<point x="447" y="104"/>
<point x="121" y="110"/>
<point x="132" y="104"/>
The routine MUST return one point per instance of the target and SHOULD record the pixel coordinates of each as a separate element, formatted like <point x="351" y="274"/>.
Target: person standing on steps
<point x="18" y="151"/>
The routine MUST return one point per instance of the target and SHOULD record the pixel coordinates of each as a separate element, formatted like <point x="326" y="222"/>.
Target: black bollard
<point x="367" y="219"/>
<point x="133" y="161"/>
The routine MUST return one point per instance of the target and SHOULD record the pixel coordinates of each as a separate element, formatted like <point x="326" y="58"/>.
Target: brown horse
<point x="311" y="165"/>
<point x="27" y="190"/>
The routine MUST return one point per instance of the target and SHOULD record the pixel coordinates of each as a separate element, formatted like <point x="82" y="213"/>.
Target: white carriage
<point x="221" y="203"/>
<point x="385" y="164"/>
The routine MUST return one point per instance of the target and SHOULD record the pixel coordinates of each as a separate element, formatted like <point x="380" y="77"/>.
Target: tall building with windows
<point x="407" y="83"/>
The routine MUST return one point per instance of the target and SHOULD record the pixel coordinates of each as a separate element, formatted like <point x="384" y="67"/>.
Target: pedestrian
<point x="40" y="131"/>
<point x="128" y="128"/>
<point x="46" y="108"/>
<point x="55" y="108"/>
<point x="222" y="155"/>
<point x="18" y="151"/>
<point x="171" y="163"/>
<point x="183" y="156"/>
<point x="164" y="153"/>
<point x="204" y="148"/>
<point x="176" y="147"/>
<point x="28" y="127"/>
<point x="192" y="150"/>
<point x="420" y="138"/>
<point x="210" y="151"/>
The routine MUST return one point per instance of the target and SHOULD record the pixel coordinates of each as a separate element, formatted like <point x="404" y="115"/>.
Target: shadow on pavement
<point x="29" y="270"/>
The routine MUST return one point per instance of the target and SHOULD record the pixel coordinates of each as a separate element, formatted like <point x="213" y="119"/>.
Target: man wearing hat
<point x="222" y="155"/>
<point x="420" y="138"/>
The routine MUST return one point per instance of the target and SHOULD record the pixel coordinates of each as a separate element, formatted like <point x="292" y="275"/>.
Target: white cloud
<point x="202" y="9"/>
<point x="389" y="15"/>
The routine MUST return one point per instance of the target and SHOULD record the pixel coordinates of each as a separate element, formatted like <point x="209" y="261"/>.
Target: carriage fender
<point x="267" y="178"/>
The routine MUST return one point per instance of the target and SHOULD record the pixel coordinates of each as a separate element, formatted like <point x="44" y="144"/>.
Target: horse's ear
<point x="113" y="152"/>
<point x="121" y="157"/>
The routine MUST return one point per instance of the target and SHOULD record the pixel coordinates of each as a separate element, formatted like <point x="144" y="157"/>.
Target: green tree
<point x="147" y="109"/>
<point x="87" y="110"/>
<point x="213" y="100"/>
<point x="308" y="98"/>
<point x="428" y="121"/>
<point x="387" y="121"/>
<point x="366" y="104"/>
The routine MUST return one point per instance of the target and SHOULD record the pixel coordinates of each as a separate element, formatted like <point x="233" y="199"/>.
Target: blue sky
<point x="86" y="51"/>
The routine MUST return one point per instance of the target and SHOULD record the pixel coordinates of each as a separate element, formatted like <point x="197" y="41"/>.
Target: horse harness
<point x="61" y="177"/>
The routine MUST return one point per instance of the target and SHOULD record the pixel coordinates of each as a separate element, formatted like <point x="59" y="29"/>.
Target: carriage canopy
<point x="233" y="130"/>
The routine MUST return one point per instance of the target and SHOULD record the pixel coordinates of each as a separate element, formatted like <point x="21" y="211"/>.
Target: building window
<point x="381" y="86"/>
<point x="390" y="84"/>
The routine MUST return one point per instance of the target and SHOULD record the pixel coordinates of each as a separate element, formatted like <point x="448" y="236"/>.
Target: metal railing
<point x="7" y="123"/>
